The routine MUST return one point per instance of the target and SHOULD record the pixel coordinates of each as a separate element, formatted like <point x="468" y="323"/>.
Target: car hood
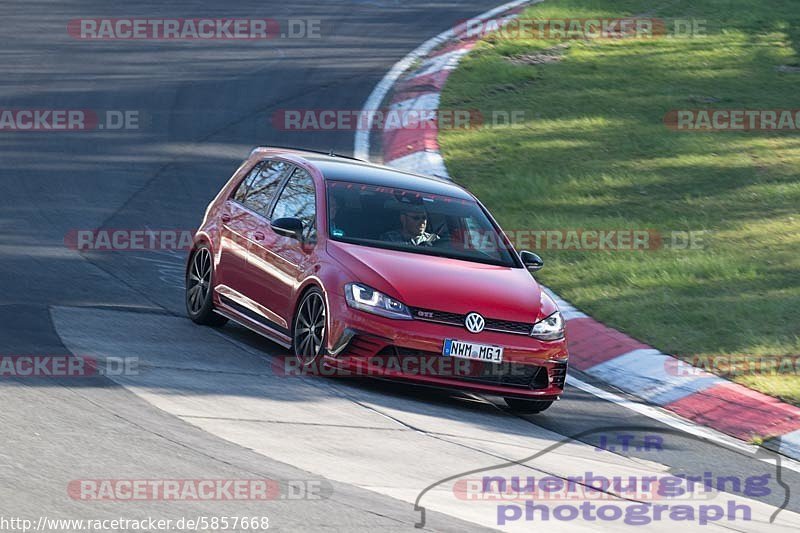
<point x="445" y="284"/>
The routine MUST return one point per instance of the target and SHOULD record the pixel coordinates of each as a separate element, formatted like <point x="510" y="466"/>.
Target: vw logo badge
<point x="475" y="323"/>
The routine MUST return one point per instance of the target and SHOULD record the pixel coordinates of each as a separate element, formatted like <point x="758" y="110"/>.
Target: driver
<point x="413" y="222"/>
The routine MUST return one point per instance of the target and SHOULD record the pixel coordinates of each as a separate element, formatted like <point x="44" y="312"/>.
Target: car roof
<point x="342" y="168"/>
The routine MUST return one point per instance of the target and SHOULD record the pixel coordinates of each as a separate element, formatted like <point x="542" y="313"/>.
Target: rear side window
<point x="258" y="189"/>
<point x="298" y="200"/>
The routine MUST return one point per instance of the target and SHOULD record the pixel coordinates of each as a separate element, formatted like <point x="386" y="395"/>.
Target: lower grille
<point x="363" y="346"/>
<point x="514" y="375"/>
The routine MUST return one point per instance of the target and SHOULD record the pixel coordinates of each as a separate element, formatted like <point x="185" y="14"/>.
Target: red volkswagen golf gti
<point x="368" y="270"/>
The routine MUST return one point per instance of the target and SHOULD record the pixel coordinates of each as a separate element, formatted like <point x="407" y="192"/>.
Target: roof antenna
<point x="331" y="153"/>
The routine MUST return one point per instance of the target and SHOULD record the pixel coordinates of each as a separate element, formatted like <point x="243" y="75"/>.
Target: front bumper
<point x="361" y="343"/>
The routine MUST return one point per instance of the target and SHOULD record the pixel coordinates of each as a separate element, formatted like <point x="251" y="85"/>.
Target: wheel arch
<point x="312" y="282"/>
<point x="200" y="238"/>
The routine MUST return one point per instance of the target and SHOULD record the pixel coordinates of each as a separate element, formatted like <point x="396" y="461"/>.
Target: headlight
<point x="369" y="300"/>
<point x="550" y="328"/>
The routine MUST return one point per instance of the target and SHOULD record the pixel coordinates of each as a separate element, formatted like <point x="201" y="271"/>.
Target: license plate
<point x="471" y="350"/>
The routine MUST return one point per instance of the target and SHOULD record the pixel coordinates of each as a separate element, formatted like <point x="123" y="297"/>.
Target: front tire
<point x="199" y="287"/>
<point x="309" y="328"/>
<point x="522" y="406"/>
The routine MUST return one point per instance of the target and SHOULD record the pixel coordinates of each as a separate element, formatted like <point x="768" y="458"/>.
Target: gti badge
<point x="475" y="323"/>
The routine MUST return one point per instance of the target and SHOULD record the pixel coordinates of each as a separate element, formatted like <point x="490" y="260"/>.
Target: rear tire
<point x="199" y="288"/>
<point x="528" y="406"/>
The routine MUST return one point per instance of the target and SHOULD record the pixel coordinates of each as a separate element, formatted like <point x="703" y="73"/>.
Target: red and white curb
<point x="440" y="56"/>
<point x="595" y="349"/>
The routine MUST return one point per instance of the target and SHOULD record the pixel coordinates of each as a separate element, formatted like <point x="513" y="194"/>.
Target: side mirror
<point x="531" y="260"/>
<point x="288" y="227"/>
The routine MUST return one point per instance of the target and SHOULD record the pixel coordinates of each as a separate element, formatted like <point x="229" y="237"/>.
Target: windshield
<point x="416" y="222"/>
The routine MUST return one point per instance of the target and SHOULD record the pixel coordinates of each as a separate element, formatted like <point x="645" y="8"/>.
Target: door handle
<point x="226" y="217"/>
<point x="259" y="236"/>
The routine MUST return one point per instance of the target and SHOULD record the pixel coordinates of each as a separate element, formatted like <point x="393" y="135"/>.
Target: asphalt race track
<point x="205" y="403"/>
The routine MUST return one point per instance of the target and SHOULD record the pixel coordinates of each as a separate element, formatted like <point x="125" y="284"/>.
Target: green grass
<point x="594" y="153"/>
